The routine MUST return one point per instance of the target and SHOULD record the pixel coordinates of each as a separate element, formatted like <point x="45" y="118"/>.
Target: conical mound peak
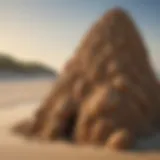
<point x="114" y="33"/>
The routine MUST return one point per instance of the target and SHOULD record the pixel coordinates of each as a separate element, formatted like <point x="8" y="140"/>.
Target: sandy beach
<point x="19" y="100"/>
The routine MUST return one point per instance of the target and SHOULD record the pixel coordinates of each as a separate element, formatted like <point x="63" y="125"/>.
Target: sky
<point x="50" y="30"/>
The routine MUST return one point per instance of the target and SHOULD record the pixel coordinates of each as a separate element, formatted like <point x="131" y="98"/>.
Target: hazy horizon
<point x="49" y="30"/>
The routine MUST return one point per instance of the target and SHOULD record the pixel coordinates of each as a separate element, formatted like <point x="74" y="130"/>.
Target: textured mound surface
<point x="107" y="93"/>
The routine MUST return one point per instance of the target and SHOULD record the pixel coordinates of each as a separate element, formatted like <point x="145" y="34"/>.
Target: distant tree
<point x="8" y="63"/>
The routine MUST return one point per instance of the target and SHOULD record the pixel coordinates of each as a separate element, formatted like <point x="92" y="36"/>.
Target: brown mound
<point x="107" y="93"/>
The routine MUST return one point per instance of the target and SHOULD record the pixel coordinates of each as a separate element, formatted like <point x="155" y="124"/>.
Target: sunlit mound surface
<point x="107" y="93"/>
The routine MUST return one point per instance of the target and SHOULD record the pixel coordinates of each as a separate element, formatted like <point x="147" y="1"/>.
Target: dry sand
<point x="19" y="100"/>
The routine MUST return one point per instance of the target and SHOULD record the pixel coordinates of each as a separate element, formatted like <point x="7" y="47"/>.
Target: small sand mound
<point x="23" y="127"/>
<point x="107" y="93"/>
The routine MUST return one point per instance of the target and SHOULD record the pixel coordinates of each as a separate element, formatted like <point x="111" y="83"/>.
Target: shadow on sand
<point x="148" y="144"/>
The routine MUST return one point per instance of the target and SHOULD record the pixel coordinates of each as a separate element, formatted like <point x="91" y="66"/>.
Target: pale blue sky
<point x="49" y="30"/>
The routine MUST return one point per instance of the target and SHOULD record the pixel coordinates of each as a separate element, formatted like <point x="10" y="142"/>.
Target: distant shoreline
<point x="26" y="78"/>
